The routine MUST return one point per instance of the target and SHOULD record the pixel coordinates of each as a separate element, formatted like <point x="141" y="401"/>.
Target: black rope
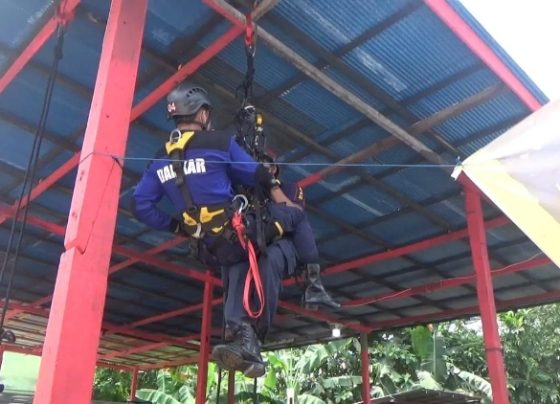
<point x="27" y="185"/>
<point x="246" y="87"/>
<point x="255" y="393"/>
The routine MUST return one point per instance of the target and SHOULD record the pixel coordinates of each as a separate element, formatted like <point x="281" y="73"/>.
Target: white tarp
<point x="520" y="173"/>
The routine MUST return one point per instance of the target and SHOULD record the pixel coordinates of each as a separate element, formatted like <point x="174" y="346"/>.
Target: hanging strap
<point x="29" y="179"/>
<point x="246" y="86"/>
<point x="175" y="148"/>
<point x="253" y="275"/>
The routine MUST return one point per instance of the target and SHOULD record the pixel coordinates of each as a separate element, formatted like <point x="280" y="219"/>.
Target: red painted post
<point x="485" y="291"/>
<point x="72" y="339"/>
<point x="133" y="385"/>
<point x="366" y="395"/>
<point x="204" y="343"/>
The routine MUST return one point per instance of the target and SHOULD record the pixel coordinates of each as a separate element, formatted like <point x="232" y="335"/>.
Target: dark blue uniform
<point x="214" y="164"/>
<point x="296" y="223"/>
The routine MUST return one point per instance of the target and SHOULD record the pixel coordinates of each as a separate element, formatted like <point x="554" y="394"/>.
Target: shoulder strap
<point x="175" y="148"/>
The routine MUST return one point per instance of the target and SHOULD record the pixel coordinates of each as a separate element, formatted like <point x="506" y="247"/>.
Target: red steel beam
<point x="66" y="13"/>
<point x="485" y="292"/>
<point x="404" y="250"/>
<point x="173" y="313"/>
<point x="109" y="328"/>
<point x="145" y="347"/>
<point x="320" y="315"/>
<point x="74" y="324"/>
<point x="204" y="343"/>
<point x="453" y="20"/>
<point x="185" y="71"/>
<point x="151" y="99"/>
<point x="171" y="364"/>
<point x="407" y="249"/>
<point x="42" y="186"/>
<point x="445" y="283"/>
<point x="194" y="64"/>
<point x="117" y="267"/>
<point x="465" y="311"/>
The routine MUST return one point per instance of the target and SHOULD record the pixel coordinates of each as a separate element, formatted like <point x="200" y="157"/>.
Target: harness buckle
<point x="243" y="204"/>
<point x="175" y="136"/>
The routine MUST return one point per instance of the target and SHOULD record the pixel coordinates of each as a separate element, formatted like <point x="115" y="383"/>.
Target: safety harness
<point x="199" y="221"/>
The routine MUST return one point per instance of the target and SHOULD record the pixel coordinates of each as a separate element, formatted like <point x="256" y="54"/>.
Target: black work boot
<point x="243" y="353"/>
<point x="315" y="293"/>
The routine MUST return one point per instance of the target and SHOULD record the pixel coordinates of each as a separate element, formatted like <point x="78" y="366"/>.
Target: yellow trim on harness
<point x="279" y="228"/>
<point x="206" y="216"/>
<point x="180" y="143"/>
<point x="189" y="220"/>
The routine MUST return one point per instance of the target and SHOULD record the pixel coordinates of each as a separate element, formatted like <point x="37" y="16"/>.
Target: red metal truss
<point x="146" y="103"/>
<point x="173" y="313"/>
<point x="147" y="347"/>
<point x="540" y="298"/>
<point x="406" y="249"/>
<point x="464" y="32"/>
<point x="399" y="251"/>
<point x="320" y="315"/>
<point x="383" y="324"/>
<point x="110" y="328"/>
<point x="74" y="324"/>
<point x="169" y="364"/>
<point x="66" y="12"/>
<point x="117" y="267"/>
<point x="445" y="283"/>
<point x="42" y="186"/>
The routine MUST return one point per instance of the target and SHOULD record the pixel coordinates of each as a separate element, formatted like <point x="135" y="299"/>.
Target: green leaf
<point x="156" y="397"/>
<point x="309" y="399"/>
<point x="422" y="342"/>
<point x="270" y="381"/>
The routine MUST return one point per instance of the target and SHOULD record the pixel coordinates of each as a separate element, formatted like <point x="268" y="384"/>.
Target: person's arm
<point x="147" y="194"/>
<point x="245" y="170"/>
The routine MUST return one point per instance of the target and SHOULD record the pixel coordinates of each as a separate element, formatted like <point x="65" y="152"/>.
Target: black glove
<point x="265" y="179"/>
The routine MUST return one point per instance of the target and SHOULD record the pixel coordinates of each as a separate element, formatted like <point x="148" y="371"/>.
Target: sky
<point x="529" y="31"/>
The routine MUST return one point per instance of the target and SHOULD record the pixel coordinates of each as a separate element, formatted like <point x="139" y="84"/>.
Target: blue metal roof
<point x="416" y="66"/>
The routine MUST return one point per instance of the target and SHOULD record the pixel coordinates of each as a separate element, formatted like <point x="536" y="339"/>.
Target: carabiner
<point x="244" y="202"/>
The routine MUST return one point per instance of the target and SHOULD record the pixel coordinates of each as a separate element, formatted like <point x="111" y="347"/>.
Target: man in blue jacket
<point x="198" y="173"/>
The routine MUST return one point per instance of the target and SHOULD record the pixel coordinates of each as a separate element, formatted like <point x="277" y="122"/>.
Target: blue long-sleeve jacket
<point x="214" y="163"/>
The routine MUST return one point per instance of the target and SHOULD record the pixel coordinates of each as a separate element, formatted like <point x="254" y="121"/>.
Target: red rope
<point x="253" y="275"/>
<point x="249" y="31"/>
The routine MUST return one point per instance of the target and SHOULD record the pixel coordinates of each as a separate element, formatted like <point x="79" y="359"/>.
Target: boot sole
<point x="229" y="359"/>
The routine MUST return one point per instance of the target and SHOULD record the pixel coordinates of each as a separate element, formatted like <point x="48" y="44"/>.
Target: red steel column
<point x="69" y="353"/>
<point x="204" y="342"/>
<point x="133" y="384"/>
<point x="366" y="396"/>
<point x="485" y="291"/>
